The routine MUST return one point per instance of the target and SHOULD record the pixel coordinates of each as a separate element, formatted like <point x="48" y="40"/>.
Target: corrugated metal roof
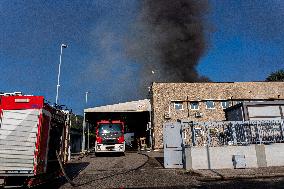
<point x="133" y="106"/>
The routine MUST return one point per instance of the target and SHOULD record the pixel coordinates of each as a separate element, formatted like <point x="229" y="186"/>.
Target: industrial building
<point x="135" y="114"/>
<point x="204" y="101"/>
<point x="192" y="101"/>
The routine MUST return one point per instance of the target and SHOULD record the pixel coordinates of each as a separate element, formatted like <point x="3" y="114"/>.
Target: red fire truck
<point x="110" y="136"/>
<point x="32" y="133"/>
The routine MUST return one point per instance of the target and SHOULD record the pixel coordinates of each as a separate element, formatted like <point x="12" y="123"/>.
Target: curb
<point x="239" y="177"/>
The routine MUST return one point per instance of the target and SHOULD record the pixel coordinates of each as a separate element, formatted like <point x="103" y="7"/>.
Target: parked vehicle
<point x="32" y="133"/>
<point x="110" y="136"/>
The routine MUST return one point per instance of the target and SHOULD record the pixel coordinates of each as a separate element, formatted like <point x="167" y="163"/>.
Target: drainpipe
<point x="187" y="103"/>
<point x="150" y="128"/>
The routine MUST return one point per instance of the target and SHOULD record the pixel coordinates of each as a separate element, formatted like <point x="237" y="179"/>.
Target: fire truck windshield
<point x="105" y="128"/>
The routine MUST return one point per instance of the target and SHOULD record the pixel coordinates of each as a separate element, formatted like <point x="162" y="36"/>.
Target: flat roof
<point x="132" y="106"/>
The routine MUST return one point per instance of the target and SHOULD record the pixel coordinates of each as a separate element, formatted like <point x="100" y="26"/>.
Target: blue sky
<point x="245" y="44"/>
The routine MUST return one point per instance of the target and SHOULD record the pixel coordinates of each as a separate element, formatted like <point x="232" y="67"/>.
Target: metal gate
<point x="173" y="145"/>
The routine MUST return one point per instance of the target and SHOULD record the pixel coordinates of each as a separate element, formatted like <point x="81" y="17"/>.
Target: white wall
<point x="274" y="154"/>
<point x="221" y="157"/>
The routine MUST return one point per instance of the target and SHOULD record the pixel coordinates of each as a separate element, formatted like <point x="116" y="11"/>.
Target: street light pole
<point x="83" y="136"/>
<point x="59" y="67"/>
<point x="84" y="127"/>
<point x="87" y="98"/>
<point x="150" y="114"/>
<point x="88" y="123"/>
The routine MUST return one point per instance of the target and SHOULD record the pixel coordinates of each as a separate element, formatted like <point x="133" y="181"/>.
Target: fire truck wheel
<point x="122" y="154"/>
<point x="97" y="154"/>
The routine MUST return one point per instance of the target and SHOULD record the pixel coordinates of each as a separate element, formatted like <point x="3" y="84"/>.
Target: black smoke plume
<point x="170" y="39"/>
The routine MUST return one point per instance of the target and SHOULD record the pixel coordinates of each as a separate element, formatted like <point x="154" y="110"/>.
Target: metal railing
<point x="232" y="132"/>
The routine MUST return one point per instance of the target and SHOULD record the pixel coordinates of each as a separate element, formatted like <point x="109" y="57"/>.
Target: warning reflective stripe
<point x="22" y="100"/>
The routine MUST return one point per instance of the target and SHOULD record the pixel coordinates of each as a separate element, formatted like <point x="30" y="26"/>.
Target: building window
<point x="210" y="104"/>
<point x="194" y="106"/>
<point x="178" y="105"/>
<point x="225" y="104"/>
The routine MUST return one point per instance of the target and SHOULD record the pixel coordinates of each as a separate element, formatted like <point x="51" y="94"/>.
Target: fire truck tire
<point x="97" y="154"/>
<point x="122" y="154"/>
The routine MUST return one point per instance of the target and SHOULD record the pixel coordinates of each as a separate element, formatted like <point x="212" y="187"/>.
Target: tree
<point x="77" y="121"/>
<point x="276" y="76"/>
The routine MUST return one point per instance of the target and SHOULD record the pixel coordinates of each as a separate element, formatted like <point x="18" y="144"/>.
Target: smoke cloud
<point x="170" y="38"/>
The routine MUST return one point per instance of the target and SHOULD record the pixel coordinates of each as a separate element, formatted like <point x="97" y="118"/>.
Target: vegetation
<point x="76" y="121"/>
<point x="276" y="76"/>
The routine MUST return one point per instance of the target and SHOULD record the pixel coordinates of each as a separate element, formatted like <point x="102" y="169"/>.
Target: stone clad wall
<point x="164" y="94"/>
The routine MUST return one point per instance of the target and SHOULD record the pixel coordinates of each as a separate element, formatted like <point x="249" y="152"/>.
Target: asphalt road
<point x="139" y="171"/>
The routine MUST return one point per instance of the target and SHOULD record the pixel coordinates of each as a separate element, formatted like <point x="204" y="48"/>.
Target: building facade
<point x="204" y="101"/>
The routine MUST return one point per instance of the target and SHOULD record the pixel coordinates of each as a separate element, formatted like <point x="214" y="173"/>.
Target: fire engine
<point x="110" y="136"/>
<point x="32" y="134"/>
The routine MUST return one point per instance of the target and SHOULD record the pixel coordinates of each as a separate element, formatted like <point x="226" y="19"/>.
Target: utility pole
<point x="84" y="128"/>
<point x="88" y="124"/>
<point x="58" y="76"/>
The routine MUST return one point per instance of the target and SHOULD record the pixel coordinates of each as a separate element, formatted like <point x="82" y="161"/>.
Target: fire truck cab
<point x="110" y="136"/>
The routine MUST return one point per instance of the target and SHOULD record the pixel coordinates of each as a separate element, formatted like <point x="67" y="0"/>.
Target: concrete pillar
<point x="260" y="155"/>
